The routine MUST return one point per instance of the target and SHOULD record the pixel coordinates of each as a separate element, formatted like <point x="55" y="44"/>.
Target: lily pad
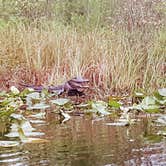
<point x="34" y="95"/>
<point x="38" y="106"/>
<point x="33" y="98"/>
<point x="151" y="109"/>
<point x="149" y="100"/>
<point x="60" y="101"/>
<point x="162" y="120"/>
<point x="2" y="93"/>
<point x="162" y="92"/>
<point x="14" y="90"/>
<point x="99" y="107"/>
<point x="148" y="104"/>
<point x="161" y="101"/>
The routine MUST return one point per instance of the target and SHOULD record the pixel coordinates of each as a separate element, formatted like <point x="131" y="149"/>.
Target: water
<point x="83" y="141"/>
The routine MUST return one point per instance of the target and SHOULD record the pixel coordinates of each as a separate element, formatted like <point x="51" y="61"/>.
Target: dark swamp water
<point x="84" y="141"/>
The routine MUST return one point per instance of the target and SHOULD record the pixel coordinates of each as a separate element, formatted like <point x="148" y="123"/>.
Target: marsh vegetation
<point x="83" y="81"/>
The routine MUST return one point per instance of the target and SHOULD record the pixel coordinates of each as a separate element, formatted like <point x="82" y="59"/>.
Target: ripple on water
<point x="82" y="141"/>
<point x="150" y="155"/>
<point x="13" y="156"/>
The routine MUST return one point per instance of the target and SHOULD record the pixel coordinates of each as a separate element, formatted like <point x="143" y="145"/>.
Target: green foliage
<point x="11" y="102"/>
<point x="60" y="101"/>
<point x="161" y="120"/>
<point x="80" y="14"/>
<point x="114" y="103"/>
<point x="162" y="92"/>
<point x="97" y="107"/>
<point x="39" y="106"/>
<point x="152" y="104"/>
<point x="152" y="138"/>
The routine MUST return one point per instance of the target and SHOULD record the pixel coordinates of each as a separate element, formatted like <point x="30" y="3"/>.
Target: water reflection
<point x="81" y="142"/>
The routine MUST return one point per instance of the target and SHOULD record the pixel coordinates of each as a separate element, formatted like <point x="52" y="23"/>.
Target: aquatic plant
<point x="14" y="104"/>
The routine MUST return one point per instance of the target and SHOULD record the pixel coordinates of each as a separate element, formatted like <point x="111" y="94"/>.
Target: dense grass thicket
<point x="118" y="44"/>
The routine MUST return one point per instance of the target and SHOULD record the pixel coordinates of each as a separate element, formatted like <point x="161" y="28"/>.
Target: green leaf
<point x="153" y="138"/>
<point x="149" y="100"/>
<point x="100" y="107"/>
<point x="148" y="104"/>
<point x="161" y="101"/>
<point x="34" y="95"/>
<point x="2" y="93"/>
<point x="25" y="92"/>
<point x="60" y="101"/>
<point x="162" y="120"/>
<point x="114" y="103"/>
<point x="14" y="90"/>
<point x="38" y="106"/>
<point x="162" y="92"/>
<point x="32" y="98"/>
<point x="152" y="109"/>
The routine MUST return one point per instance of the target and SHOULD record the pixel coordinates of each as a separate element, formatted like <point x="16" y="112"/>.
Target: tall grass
<point x="114" y="58"/>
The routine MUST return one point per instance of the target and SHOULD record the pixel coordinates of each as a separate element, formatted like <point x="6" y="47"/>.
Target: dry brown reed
<point x="110" y="59"/>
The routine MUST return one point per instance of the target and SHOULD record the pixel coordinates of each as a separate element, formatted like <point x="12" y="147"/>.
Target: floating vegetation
<point x="161" y="120"/>
<point x="14" y="104"/>
<point x="99" y="107"/>
<point x="30" y="100"/>
<point x="152" y="104"/>
<point x="39" y="106"/>
<point x="60" y="101"/>
<point x="114" y="102"/>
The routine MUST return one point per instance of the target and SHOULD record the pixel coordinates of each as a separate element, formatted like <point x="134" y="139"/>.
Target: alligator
<point x="73" y="87"/>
